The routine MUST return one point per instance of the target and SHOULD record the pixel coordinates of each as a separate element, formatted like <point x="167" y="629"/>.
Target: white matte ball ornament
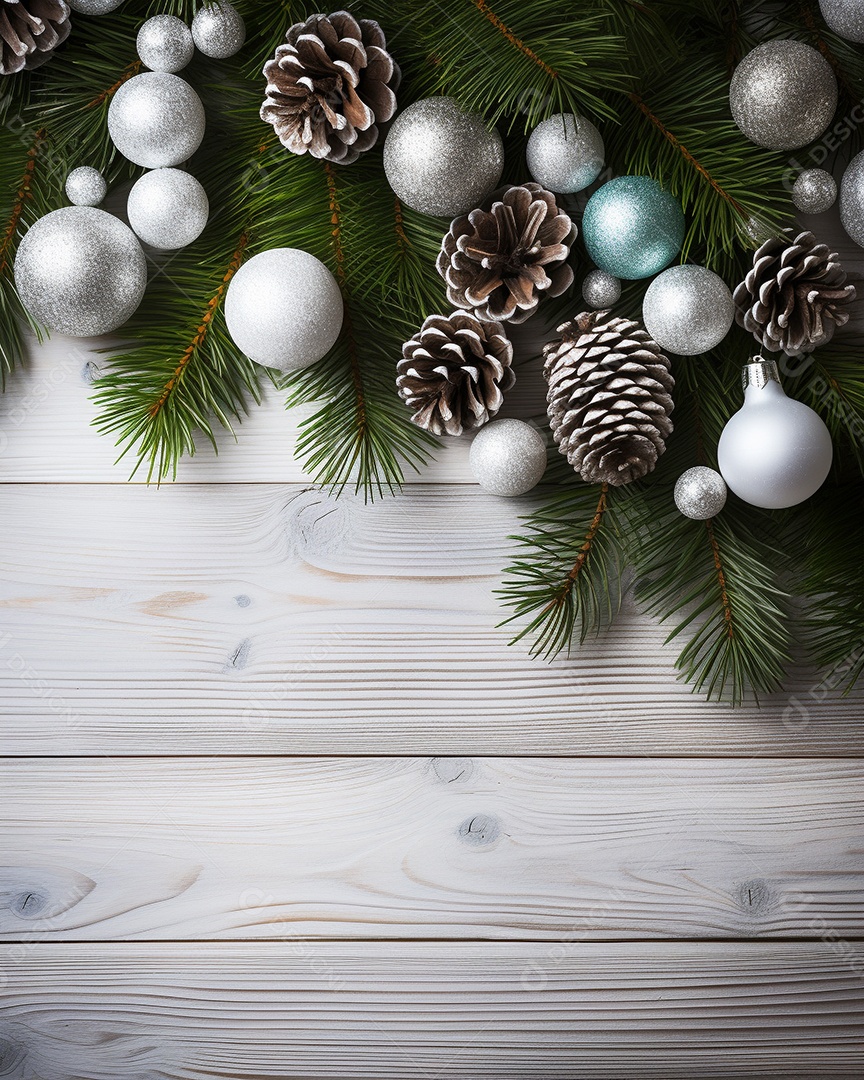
<point x="165" y="43"/>
<point x="565" y="153"/>
<point x="85" y="186"/>
<point x="218" y="30"/>
<point x="284" y="309"/>
<point x="168" y="208"/>
<point x="844" y="17"/>
<point x="508" y="457"/>
<point x="700" y="493"/>
<point x="688" y="310"/>
<point x="156" y="120"/>
<point x="775" y="451"/>
<point x="94" y="7"/>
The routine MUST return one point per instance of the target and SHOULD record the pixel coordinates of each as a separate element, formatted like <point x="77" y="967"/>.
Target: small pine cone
<point x="610" y="396"/>
<point x="498" y="262"/>
<point x="795" y="296"/>
<point x="330" y="85"/>
<point x="455" y="373"/>
<point x="30" y="30"/>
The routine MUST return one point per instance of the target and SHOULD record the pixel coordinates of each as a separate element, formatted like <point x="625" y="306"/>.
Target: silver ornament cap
<point x="165" y="43"/>
<point x="168" y="209"/>
<point x="218" y="30"/>
<point x="688" y="309"/>
<point x="601" y="290"/>
<point x="814" y="191"/>
<point x="86" y="186"/>
<point x="508" y="457"/>
<point x="156" y="120"/>
<point x="565" y="153"/>
<point x="700" y="493"/>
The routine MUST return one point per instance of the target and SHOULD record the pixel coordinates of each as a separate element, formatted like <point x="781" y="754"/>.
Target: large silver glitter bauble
<point x="168" y="208"/>
<point x="565" y="153"/>
<point x="783" y="95"/>
<point x="85" y="186"/>
<point x="156" y="120"/>
<point x="94" y="7"/>
<point x="440" y="159"/>
<point x="601" y="290"/>
<point x="814" y="192"/>
<point x="284" y="309"/>
<point x="852" y="199"/>
<point x="165" y="43"/>
<point x="700" y="493"/>
<point x="218" y="30"/>
<point x="80" y="271"/>
<point x="844" y="17"/>
<point x="688" y="309"/>
<point x="508" y="457"/>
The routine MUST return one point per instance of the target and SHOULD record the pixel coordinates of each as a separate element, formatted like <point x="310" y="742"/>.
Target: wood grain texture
<point x="354" y="1011"/>
<point x="447" y="847"/>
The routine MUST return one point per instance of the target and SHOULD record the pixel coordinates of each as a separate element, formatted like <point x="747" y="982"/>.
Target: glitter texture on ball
<point x="700" y="493"/>
<point x="600" y="290"/>
<point x="814" y="192"/>
<point x="440" y="159"/>
<point x="844" y="17"/>
<point x="565" y="153"/>
<point x="168" y="209"/>
<point x="165" y="44"/>
<point x="508" y="457"/>
<point x="156" y="120"/>
<point x="852" y="199"/>
<point x="218" y="30"/>
<point x="284" y="309"/>
<point x="85" y="186"/>
<point x="783" y="95"/>
<point x="688" y="310"/>
<point x="80" y="271"/>
<point x="94" y="7"/>
<point x="632" y="227"/>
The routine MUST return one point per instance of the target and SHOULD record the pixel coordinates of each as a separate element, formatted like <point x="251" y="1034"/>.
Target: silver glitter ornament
<point x="601" y="290"/>
<point x="814" y="192"/>
<point x="688" y="309"/>
<point x="783" y="95"/>
<point x="218" y="30"/>
<point x="168" y="209"/>
<point x="94" y="7"/>
<point x="156" y="120"/>
<point x="844" y="17"/>
<point x="85" y="186"/>
<point x="440" y="159"/>
<point x="565" y="153"/>
<point x="80" y="271"/>
<point x="284" y="309"/>
<point x="852" y="199"/>
<point x="700" y="493"/>
<point x="165" y="43"/>
<point x="508" y="457"/>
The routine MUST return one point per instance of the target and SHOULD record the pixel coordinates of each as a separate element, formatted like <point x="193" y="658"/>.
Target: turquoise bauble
<point x="632" y="227"/>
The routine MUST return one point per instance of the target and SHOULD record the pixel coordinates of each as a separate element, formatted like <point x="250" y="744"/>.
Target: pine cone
<point x="610" y="396"/>
<point x="500" y="261"/>
<point x="30" y="30"/>
<point x="455" y="373"/>
<point x="329" y="87"/>
<point x="795" y="295"/>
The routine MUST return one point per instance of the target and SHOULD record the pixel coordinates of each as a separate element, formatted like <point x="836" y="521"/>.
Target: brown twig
<point x="22" y="197"/>
<point x="584" y="552"/>
<point x="516" y="42"/>
<point x="128" y="72"/>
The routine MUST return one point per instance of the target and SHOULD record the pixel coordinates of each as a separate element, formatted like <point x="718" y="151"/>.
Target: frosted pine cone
<point x="30" y="30"/>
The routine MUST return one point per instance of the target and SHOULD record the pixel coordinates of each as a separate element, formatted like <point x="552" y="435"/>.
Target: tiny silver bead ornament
<point x="218" y="30"/>
<point x="80" y="271"/>
<point x="700" y="493"/>
<point x="852" y="199"/>
<point x="814" y="192"/>
<point x="156" y="120"/>
<point x="601" y="290"/>
<point x="165" y="43"/>
<point x="844" y="17"/>
<point x="168" y="209"/>
<point x="85" y="186"/>
<point x="688" y="310"/>
<point x="508" y="457"/>
<point x="442" y="160"/>
<point x="94" y="7"/>
<point x="565" y="153"/>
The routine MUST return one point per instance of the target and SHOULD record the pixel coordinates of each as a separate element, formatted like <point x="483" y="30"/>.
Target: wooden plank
<point x="272" y="619"/>
<point x="392" y="847"/>
<point x="354" y="1011"/>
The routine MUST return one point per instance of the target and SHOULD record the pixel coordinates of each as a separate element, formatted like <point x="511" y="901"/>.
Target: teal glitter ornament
<point x="632" y="227"/>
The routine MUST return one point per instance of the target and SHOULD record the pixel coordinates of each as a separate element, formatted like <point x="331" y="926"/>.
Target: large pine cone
<point x="455" y="373"/>
<point x="610" y="396"/>
<point x="330" y="85"/>
<point x="499" y="262"/>
<point x="794" y="297"/>
<point x="30" y="30"/>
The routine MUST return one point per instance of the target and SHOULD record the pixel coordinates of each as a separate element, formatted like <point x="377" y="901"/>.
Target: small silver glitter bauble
<point x="94" y="7"/>
<point x="601" y="290"/>
<point x="508" y="457"/>
<point x="156" y="120"/>
<point x="167" y="208"/>
<point x="440" y="159"/>
<point x="844" y="17"/>
<point x="688" y="309"/>
<point x="783" y="95"/>
<point x="85" y="186"/>
<point x="284" y="309"/>
<point x="814" y="192"/>
<point x="700" y="493"/>
<point x="218" y="30"/>
<point x="565" y="153"/>
<point x="633" y="227"/>
<point x="80" y="271"/>
<point x="165" y="44"/>
<point x="852" y="199"/>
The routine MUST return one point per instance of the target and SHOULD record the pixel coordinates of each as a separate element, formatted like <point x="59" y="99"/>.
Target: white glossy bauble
<point x="218" y="30"/>
<point x="508" y="457"/>
<point x="156" y="120"/>
<point x="165" y="43"/>
<point x="168" y="208"/>
<point x="565" y="153"/>
<point x="688" y="309"/>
